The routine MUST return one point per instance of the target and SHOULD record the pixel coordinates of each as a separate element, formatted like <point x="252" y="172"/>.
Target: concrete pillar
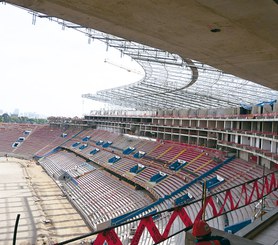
<point x="255" y="110"/>
<point x="275" y="107"/>
<point x="267" y="108"/>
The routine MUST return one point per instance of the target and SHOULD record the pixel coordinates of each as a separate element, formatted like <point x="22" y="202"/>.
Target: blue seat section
<point x="75" y="144"/>
<point x="82" y="147"/>
<point x="158" y="177"/>
<point x="137" y="168"/>
<point x="106" y="144"/>
<point x="213" y="182"/>
<point x="100" y="142"/>
<point x="94" y="151"/>
<point x="150" y="207"/>
<point x="199" y="179"/>
<point x="86" y="138"/>
<point x="184" y="199"/>
<point x="139" y="154"/>
<point x="21" y="139"/>
<point x="155" y="217"/>
<point x="27" y="132"/>
<point x="49" y="153"/>
<point x="15" y="144"/>
<point x="114" y="159"/>
<point x="151" y="213"/>
<point x="130" y="215"/>
<point x="128" y="150"/>
<point x="177" y="165"/>
<point x="124" y="217"/>
<point x="236" y="227"/>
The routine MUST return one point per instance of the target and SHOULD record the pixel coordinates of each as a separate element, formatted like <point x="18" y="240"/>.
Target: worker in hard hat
<point x="202" y="232"/>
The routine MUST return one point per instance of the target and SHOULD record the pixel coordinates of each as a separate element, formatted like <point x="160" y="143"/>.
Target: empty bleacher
<point x="100" y="196"/>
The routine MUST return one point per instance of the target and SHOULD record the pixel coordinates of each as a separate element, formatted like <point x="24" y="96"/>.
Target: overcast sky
<point x="45" y="69"/>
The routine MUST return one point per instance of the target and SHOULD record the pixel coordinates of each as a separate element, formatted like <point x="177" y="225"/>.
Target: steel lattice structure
<point x="173" y="82"/>
<point x="170" y="81"/>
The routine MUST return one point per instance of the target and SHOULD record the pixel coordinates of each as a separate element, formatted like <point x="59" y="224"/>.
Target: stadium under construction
<point x="188" y="141"/>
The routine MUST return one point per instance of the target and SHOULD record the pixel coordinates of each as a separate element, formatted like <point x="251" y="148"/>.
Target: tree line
<point x="21" y="119"/>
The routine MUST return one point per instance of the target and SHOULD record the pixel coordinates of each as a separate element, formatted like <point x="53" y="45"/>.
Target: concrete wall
<point x="202" y="112"/>
<point x="244" y="155"/>
<point x="198" y="112"/>
<point x="255" y="110"/>
<point x="262" y="229"/>
<point x="265" y="162"/>
<point x="183" y="113"/>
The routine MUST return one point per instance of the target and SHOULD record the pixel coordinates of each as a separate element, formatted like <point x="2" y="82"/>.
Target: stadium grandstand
<point x="188" y="141"/>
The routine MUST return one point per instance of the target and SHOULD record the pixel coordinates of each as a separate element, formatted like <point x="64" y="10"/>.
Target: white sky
<point x="44" y="69"/>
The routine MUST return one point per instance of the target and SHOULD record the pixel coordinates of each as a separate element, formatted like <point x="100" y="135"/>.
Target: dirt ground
<point x="46" y="215"/>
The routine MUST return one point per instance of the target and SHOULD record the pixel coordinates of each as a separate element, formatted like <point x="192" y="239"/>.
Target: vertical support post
<point x="34" y="18"/>
<point x="262" y="205"/>
<point x="204" y="197"/>
<point x="15" y="229"/>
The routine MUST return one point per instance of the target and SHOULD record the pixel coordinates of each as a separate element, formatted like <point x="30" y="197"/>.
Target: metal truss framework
<point x="170" y="81"/>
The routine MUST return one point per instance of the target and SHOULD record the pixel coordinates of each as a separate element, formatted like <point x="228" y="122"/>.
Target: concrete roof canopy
<point x="236" y="37"/>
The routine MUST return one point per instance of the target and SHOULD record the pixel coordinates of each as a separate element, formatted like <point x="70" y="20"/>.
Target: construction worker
<point x="202" y="232"/>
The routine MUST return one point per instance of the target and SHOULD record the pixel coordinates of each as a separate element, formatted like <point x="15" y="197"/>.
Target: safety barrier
<point x="250" y="192"/>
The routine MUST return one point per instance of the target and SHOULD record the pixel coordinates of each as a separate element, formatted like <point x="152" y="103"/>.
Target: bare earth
<point x="27" y="190"/>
